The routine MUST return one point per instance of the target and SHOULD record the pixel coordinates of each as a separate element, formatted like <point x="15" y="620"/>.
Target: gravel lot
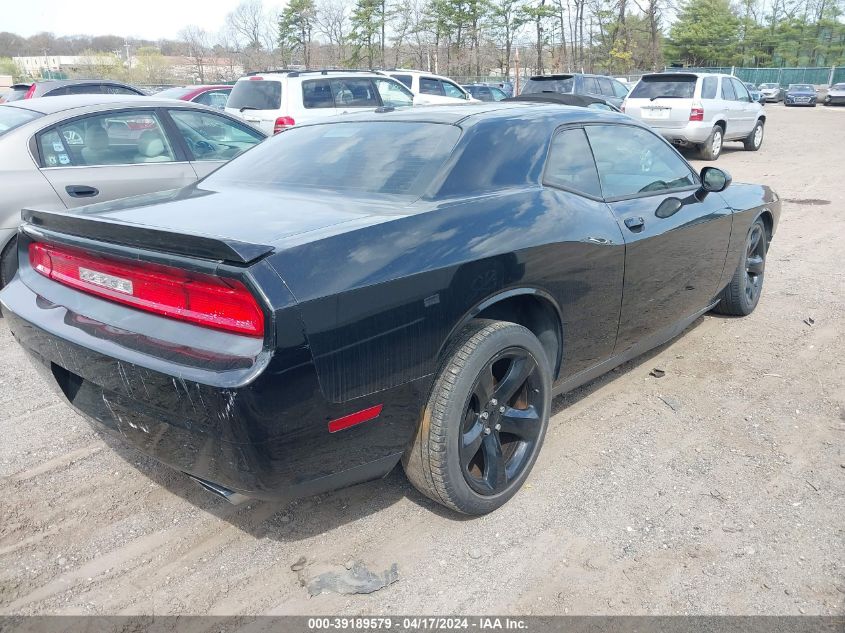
<point x="717" y="489"/>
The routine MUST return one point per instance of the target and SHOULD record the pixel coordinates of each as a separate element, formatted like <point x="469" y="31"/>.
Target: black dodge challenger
<point x="410" y="286"/>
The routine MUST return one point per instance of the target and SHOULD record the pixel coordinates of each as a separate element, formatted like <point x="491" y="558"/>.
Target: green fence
<point x="819" y="75"/>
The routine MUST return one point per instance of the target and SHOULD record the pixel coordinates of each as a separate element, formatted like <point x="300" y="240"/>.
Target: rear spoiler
<point x="105" y="230"/>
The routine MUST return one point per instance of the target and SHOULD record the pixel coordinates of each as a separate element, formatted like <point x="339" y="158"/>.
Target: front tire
<point x="741" y="295"/>
<point x="485" y="420"/>
<point x="712" y="147"/>
<point x="754" y="141"/>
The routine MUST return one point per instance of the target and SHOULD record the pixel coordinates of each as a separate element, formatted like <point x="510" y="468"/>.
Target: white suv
<point x="698" y="110"/>
<point x="276" y="100"/>
<point x="430" y="89"/>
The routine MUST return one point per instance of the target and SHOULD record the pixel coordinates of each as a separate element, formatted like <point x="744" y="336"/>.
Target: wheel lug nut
<point x="498" y="427"/>
<point x="484" y="415"/>
<point x="501" y="409"/>
<point x="494" y="402"/>
<point x="487" y="430"/>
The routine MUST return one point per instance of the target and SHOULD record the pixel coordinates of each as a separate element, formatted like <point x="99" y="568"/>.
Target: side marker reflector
<point x="354" y="418"/>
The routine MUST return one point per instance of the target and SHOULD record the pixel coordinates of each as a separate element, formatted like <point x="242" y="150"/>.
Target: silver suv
<point x="698" y="110"/>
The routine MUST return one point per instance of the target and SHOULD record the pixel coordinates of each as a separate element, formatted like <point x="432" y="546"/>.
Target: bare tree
<point x="197" y="47"/>
<point x="333" y="24"/>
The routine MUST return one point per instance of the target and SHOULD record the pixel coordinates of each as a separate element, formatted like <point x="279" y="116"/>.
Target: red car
<point x="214" y="96"/>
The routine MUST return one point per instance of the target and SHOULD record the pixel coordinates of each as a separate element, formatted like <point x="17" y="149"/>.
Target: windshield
<point x="256" y="94"/>
<point x="838" y="87"/>
<point x="667" y="86"/>
<point x="768" y="86"/>
<point x="801" y="88"/>
<point x="12" y="117"/>
<point x="549" y="84"/>
<point x="371" y="157"/>
<point x="173" y="93"/>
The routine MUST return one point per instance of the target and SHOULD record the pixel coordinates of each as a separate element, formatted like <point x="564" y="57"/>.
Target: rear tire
<point x="754" y="141"/>
<point x="9" y="262"/>
<point x="485" y="420"/>
<point x="712" y="147"/>
<point x="741" y="295"/>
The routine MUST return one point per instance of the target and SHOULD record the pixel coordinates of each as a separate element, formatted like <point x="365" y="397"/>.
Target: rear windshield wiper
<point x="667" y="97"/>
<point x="247" y="108"/>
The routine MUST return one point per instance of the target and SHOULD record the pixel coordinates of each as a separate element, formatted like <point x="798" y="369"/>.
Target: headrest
<point x="150" y="144"/>
<point x="96" y="138"/>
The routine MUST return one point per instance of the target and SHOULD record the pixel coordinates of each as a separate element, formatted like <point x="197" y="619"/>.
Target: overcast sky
<point x="150" y="19"/>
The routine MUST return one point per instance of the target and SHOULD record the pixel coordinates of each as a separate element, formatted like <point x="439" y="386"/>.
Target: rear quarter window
<point x="709" y="85"/>
<point x="664" y="86"/>
<point x="256" y="94"/>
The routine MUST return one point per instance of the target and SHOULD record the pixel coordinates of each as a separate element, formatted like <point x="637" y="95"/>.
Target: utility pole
<point x="516" y="68"/>
<point x="128" y="59"/>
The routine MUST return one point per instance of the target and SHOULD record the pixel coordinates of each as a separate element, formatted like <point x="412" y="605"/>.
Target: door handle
<point x="635" y="224"/>
<point x="81" y="191"/>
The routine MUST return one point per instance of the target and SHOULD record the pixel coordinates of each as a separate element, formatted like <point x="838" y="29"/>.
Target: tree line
<point x="468" y="38"/>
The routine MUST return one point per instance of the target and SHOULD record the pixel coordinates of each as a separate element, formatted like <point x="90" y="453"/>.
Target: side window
<point x="498" y="95"/>
<point x="120" y="138"/>
<point x="605" y="86"/>
<point x="54" y="153"/>
<point x="394" y="94"/>
<point x="452" y="90"/>
<point x="632" y="161"/>
<point x="708" y="87"/>
<point x="214" y="98"/>
<point x="429" y="86"/>
<point x="570" y="164"/>
<point x="354" y="93"/>
<point x="405" y="79"/>
<point x="317" y="94"/>
<point x="619" y="89"/>
<point x="590" y="85"/>
<point x="728" y="93"/>
<point x="741" y="91"/>
<point x="212" y="137"/>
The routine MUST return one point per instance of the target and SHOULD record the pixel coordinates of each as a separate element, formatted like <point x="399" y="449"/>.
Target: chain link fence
<point x="819" y="75"/>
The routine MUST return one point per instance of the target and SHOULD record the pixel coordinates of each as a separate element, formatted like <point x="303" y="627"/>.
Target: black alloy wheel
<point x="755" y="262"/>
<point x="484" y="423"/>
<point x="741" y="295"/>
<point x="502" y="421"/>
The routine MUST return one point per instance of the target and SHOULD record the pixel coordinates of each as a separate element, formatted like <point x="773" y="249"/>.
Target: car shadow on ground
<point x="305" y="518"/>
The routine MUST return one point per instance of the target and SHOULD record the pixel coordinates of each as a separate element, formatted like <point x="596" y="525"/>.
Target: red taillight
<point x="213" y="302"/>
<point x="696" y="113"/>
<point x="256" y="78"/>
<point x="283" y="123"/>
<point x="30" y="93"/>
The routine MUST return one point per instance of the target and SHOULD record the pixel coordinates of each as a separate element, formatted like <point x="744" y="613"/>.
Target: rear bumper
<point x="694" y="133"/>
<point x="267" y="438"/>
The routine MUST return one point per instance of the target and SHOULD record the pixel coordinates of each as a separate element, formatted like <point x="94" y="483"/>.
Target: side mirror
<point x="714" y="180"/>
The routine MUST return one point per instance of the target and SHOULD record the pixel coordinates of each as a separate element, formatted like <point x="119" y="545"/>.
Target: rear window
<point x="549" y="84"/>
<point x="667" y="86"/>
<point x="370" y="157"/>
<point x="10" y="118"/>
<point x="838" y="87"/>
<point x="15" y="94"/>
<point x="256" y="94"/>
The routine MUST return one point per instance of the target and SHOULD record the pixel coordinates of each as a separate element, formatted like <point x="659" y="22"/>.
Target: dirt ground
<point x="716" y="489"/>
